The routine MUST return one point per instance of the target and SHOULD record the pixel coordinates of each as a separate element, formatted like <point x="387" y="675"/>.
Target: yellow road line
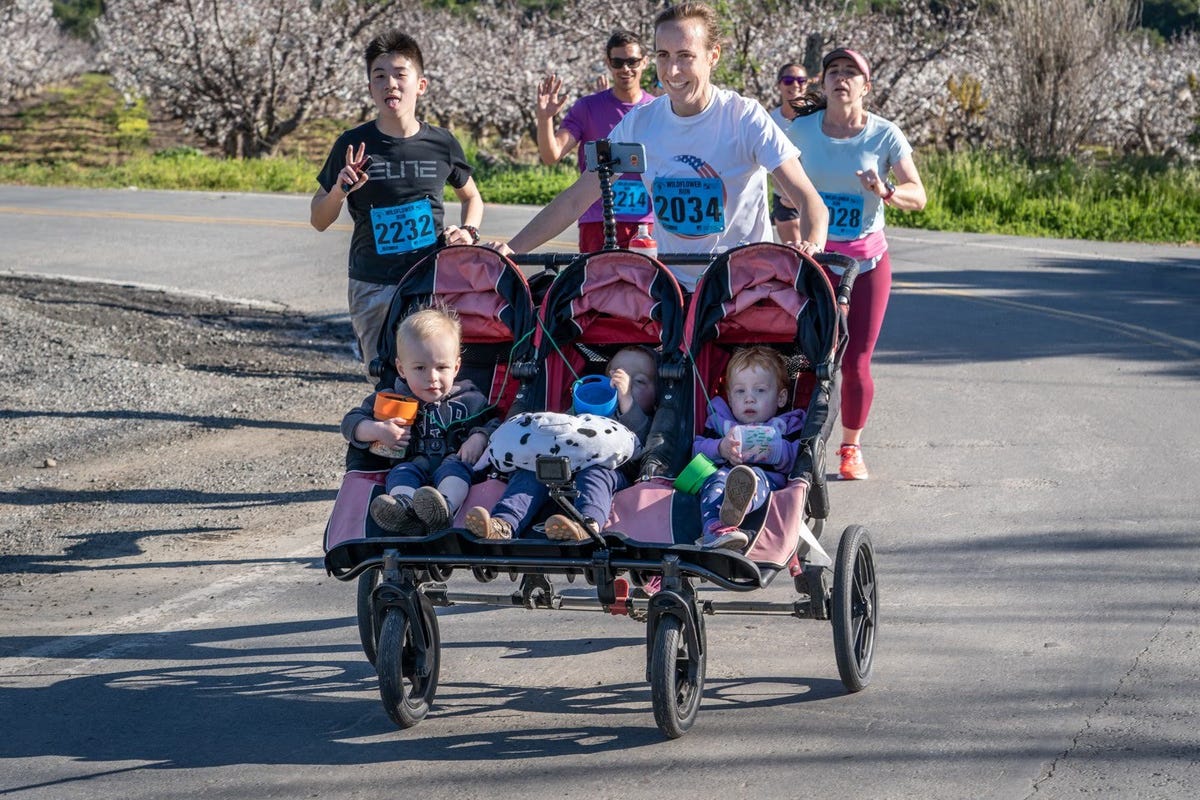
<point x="555" y="245"/>
<point x="134" y="215"/>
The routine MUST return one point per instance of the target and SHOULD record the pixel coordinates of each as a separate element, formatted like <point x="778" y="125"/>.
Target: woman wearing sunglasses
<point x="792" y="81"/>
<point x="850" y="153"/>
<point x="708" y="152"/>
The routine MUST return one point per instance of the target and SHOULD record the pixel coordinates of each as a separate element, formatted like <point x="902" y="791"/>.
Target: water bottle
<point x="642" y="242"/>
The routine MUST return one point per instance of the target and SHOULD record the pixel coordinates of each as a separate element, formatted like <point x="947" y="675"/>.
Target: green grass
<point x="178" y="168"/>
<point x="188" y="168"/>
<point x="83" y="134"/>
<point x="524" y="185"/>
<point x="1142" y="200"/>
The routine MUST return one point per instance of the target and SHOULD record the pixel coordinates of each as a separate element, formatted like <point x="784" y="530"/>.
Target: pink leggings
<point x="868" y="302"/>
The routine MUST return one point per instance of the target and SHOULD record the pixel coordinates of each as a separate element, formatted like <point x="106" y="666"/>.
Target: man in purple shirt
<point x="592" y="117"/>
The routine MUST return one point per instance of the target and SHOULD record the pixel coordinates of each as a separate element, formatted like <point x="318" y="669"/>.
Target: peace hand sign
<point x="354" y="174"/>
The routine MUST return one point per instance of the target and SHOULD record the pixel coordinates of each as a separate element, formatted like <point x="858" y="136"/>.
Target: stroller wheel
<point x="439" y="573"/>
<point x="368" y="631"/>
<point x="409" y="660"/>
<point x="484" y="574"/>
<point x="676" y="679"/>
<point x="855" y="607"/>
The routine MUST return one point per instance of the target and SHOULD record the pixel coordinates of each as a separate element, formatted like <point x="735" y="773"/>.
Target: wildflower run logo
<point x="691" y="207"/>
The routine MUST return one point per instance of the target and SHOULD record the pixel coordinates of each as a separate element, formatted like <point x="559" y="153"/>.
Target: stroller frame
<point x="401" y="580"/>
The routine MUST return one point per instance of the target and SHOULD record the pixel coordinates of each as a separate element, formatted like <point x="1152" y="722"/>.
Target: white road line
<point x="1192" y="254"/>
<point x="1184" y="347"/>
<point x="194" y="609"/>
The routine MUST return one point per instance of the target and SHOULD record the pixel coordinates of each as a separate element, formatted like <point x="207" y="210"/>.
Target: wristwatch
<point x="889" y="190"/>
<point x="471" y="229"/>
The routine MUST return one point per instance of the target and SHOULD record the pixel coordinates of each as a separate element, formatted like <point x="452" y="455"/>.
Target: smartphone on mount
<point x="619" y="156"/>
<point x="366" y="165"/>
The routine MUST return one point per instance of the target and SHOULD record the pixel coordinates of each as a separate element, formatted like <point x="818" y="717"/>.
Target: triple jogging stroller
<point x="760" y="293"/>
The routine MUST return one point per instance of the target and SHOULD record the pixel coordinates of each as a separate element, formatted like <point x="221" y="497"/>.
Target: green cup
<point x="695" y="474"/>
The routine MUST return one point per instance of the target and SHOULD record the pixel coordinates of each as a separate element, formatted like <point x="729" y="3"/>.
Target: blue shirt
<point x="831" y="165"/>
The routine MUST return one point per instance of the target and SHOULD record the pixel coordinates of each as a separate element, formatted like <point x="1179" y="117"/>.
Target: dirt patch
<point x="136" y="423"/>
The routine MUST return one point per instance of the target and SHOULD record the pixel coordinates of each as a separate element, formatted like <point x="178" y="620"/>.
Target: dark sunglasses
<point x="788" y="80"/>
<point x="622" y="63"/>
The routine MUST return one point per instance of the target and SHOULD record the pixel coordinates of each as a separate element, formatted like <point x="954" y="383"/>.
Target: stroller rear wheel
<point x="855" y="608"/>
<point x="368" y="632"/>
<point x="484" y="574"/>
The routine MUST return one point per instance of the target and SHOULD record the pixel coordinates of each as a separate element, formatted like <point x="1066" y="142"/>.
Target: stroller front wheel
<point x="676" y="679"/>
<point x="408" y="664"/>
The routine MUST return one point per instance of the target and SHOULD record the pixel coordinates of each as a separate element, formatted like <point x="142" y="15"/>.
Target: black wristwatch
<point x="890" y="189"/>
<point x="471" y="229"/>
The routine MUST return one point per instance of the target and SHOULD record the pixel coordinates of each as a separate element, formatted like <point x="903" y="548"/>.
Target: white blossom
<point x="35" y="53"/>
<point x="1050" y="79"/>
<point x="245" y="74"/>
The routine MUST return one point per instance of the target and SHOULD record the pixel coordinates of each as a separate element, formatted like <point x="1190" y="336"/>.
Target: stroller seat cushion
<point x="585" y="439"/>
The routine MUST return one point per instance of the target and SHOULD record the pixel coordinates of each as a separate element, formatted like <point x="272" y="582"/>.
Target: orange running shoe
<point x="852" y="468"/>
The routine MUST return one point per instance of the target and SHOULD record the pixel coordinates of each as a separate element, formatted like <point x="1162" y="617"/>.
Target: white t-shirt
<point x="831" y="163"/>
<point x="707" y="174"/>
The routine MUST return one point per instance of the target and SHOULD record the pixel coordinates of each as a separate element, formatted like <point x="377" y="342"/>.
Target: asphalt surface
<point x="1034" y="462"/>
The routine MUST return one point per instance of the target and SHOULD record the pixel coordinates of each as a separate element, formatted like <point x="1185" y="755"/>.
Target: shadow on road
<point x="1061" y="307"/>
<point x="251" y="695"/>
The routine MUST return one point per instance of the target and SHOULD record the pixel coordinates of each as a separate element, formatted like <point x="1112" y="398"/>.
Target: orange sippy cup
<point x="397" y="407"/>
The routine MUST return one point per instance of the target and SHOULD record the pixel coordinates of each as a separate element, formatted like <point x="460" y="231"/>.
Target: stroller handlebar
<point x="850" y="272"/>
<point x="556" y="261"/>
<point x="562" y="259"/>
<point x="552" y="260"/>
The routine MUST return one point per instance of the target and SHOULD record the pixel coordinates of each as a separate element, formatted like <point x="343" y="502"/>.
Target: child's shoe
<point x="480" y="523"/>
<point x="395" y="514"/>
<point x="430" y="507"/>
<point x="852" y="467"/>
<point x="562" y="528"/>
<point x="724" y="537"/>
<point x="740" y="486"/>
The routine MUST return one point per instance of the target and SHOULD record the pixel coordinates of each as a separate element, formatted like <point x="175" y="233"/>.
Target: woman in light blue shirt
<point x="849" y="154"/>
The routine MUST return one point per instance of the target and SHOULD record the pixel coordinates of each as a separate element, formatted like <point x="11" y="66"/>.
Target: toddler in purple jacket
<point x="746" y="437"/>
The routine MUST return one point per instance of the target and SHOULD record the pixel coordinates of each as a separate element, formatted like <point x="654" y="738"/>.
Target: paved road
<point x="1034" y="463"/>
<point x="246" y="246"/>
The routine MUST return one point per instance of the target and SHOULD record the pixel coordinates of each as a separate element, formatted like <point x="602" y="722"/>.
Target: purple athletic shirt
<point x="591" y="118"/>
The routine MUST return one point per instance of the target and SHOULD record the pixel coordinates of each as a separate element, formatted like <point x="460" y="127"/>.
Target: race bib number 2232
<point x="403" y="228"/>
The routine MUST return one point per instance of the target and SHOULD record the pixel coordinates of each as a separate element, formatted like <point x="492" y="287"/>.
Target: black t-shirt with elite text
<point x="398" y="213"/>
